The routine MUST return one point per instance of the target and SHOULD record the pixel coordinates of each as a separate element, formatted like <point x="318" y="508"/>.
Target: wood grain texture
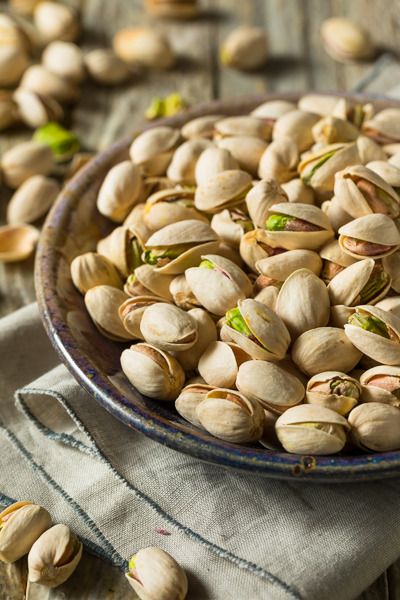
<point x="297" y="62"/>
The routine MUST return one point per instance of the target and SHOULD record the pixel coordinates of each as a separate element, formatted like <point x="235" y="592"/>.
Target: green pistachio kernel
<point x="132" y="563"/>
<point x="207" y="264"/>
<point x="165" y="107"/>
<point x="343" y="387"/>
<point x="156" y="109"/>
<point x="369" y="323"/>
<point x="277" y="222"/>
<point x="63" y="143"/>
<point x="235" y="320"/>
<point x="153" y="256"/>
<point x="376" y="283"/>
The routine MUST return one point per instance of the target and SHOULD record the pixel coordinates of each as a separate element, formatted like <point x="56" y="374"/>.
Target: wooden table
<point x="297" y="62"/>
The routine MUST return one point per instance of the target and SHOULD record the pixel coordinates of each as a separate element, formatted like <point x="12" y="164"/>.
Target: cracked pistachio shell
<point x="102" y="303"/>
<point x="182" y="166"/>
<point x="153" y="372"/>
<point x="135" y="221"/>
<point x="245" y="48"/>
<point x="324" y="349"/>
<point x="13" y="63"/>
<point x="340" y="315"/>
<point x="55" y="21"/>
<point x="116" y="247"/>
<point x="40" y="80"/>
<point x="332" y="252"/>
<point x="120" y="191"/>
<point x="32" y="199"/>
<point x="345" y="41"/>
<point x="181" y="293"/>
<point x="219" y="364"/>
<point x="381" y="384"/>
<point x="54" y="556"/>
<point x="152" y="150"/>
<point x="267" y="328"/>
<point x="261" y="197"/>
<point x="307" y="240"/>
<point x="389" y="173"/>
<point x="230" y="416"/>
<point x="37" y="110"/>
<point x="254" y="246"/>
<point x="268" y="296"/>
<point x="223" y="190"/>
<point x="369" y="150"/>
<point x="243" y="126"/>
<point x="279" y="161"/>
<point x="9" y="114"/>
<point x="231" y="225"/>
<point x="131" y="311"/>
<point x="311" y="429"/>
<point x="390" y="304"/>
<point x="21" y="524"/>
<point x="336" y="215"/>
<point x="345" y="288"/>
<point x="246" y="150"/>
<point x="270" y="385"/>
<point x="376" y="229"/>
<point x="64" y="59"/>
<point x="24" y="160"/>
<point x="189" y="399"/>
<point x="384" y="127"/>
<point x="272" y="109"/>
<point x="281" y="266"/>
<point x="105" y="67"/>
<point x="149" y="282"/>
<point x="212" y="161"/>
<point x="331" y="130"/>
<point x="168" y="327"/>
<point x="319" y="391"/>
<point x="352" y="199"/>
<point x="303" y="302"/>
<point x="170" y="206"/>
<point x="207" y="335"/>
<point x="200" y="127"/>
<point x="391" y="264"/>
<point x="352" y="111"/>
<point x="297" y="191"/>
<point x="376" y="426"/>
<point x="296" y="125"/>
<point x="219" y="288"/>
<point x="384" y="350"/>
<point x="144" y="46"/>
<point x="17" y="242"/>
<point x="318" y="104"/>
<point x="90" y="269"/>
<point x="157" y="576"/>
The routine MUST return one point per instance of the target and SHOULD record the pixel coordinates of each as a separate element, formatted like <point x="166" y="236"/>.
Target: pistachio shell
<point x="296" y="125"/>
<point x="144" y="46"/>
<point x="32" y="199"/>
<point x="391" y="264"/>
<point x="340" y="315"/>
<point x="189" y="399"/>
<point x="24" y="160"/>
<point x="336" y="215"/>
<point x="211" y="162"/>
<point x="119" y="191"/>
<point x="279" y="161"/>
<point x="254" y="246"/>
<point x="220" y="362"/>
<point x="369" y="150"/>
<point x="341" y="397"/>
<point x="352" y="111"/>
<point x="324" y="349"/>
<point x="246" y="150"/>
<point x="281" y="266"/>
<point x="331" y="130"/>
<point x="56" y="21"/>
<point x="157" y="576"/>
<point x="231" y="225"/>
<point x="376" y="426"/>
<point x="261" y="197"/>
<point x="170" y="206"/>
<point x="13" y="63"/>
<point x="64" y="59"/>
<point x="116" y="248"/>
<point x="318" y="104"/>
<point x="345" y="288"/>
<point x="207" y="334"/>
<point x="378" y="384"/>
<point x="90" y="270"/>
<point x="389" y="173"/>
<point x="345" y="40"/>
<point x="17" y="242"/>
<point x="22" y="524"/>
<point x="390" y="304"/>
<point x="153" y="149"/>
<point x="102" y="303"/>
<point x="225" y="189"/>
<point x="153" y="372"/>
<point x="243" y="126"/>
<point x="270" y="385"/>
<point x="200" y="127"/>
<point x="105" y="67"/>
<point x="131" y="311"/>
<point x="40" y="80"/>
<point x="183" y="163"/>
<point x="182" y="294"/>
<point x="168" y="327"/>
<point x="35" y="109"/>
<point x="245" y="48"/>
<point x="273" y="109"/>
<point x="156" y="283"/>
<point x="332" y="251"/>
<point x="297" y="191"/>
<point x="268" y="296"/>
<point x="308" y="240"/>
<point x="384" y="126"/>
<point x="9" y="114"/>
<point x="374" y="228"/>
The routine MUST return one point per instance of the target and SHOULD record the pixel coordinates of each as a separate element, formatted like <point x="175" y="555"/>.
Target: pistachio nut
<point x="346" y="41"/>
<point x="336" y="215"/>
<point x="212" y="161"/>
<point x="24" y="160"/>
<point x="231" y="224"/>
<point x="152" y="150"/>
<point x="35" y="109"/>
<point x="390" y="304"/>
<point x="131" y="312"/>
<point x="331" y="130"/>
<point x="373" y="235"/>
<point x="312" y="429"/>
<point x="230" y="416"/>
<point x="17" y="242"/>
<point x="182" y="167"/>
<point x="64" y="59"/>
<point x="220" y="362"/>
<point x="63" y="143"/>
<point x="207" y="335"/>
<point x="181" y="293"/>
<point x="243" y="126"/>
<point x="279" y="161"/>
<point x="200" y="127"/>
<point x="56" y="21"/>
<point x="270" y="385"/>
<point x="276" y="269"/>
<point x="135" y="216"/>
<point x="218" y="283"/>
<point x="54" y="556"/>
<point x="324" y="349"/>
<point x="223" y="190"/>
<point x="375" y="426"/>
<point x="120" y="191"/>
<point x="168" y="327"/>
<point x="384" y="127"/>
<point x="246" y="150"/>
<point x="178" y="246"/>
<point x="256" y="245"/>
<point x="170" y="206"/>
<point x="381" y="384"/>
<point x="32" y="199"/>
<point x="269" y="438"/>
<point x="376" y="333"/>
<point x="257" y="329"/>
<point x="105" y="67"/>
<point x="144" y="46"/>
<point x="189" y="399"/>
<point x="271" y="110"/>
<point x="13" y="63"/>
<point x="9" y="114"/>
<point x="294" y="225"/>
<point x="153" y="372"/>
<point x="340" y="314"/>
<point x="268" y="296"/>
<point x="297" y="191"/>
<point x="145" y="280"/>
<point x="303" y="302"/>
<point x="261" y="197"/>
<point x="40" y="80"/>
<point x="296" y="125"/>
<point x="387" y="171"/>
<point x="155" y="575"/>
<point x="334" y="260"/>
<point x="391" y="266"/>
<point x="102" y="303"/>
<point x="21" y="524"/>
<point x="245" y="48"/>
<point x="354" y="112"/>
<point x="364" y="282"/>
<point x="334" y="390"/>
<point x="369" y="150"/>
<point x="319" y="104"/>
<point x="361" y="191"/>
<point x="90" y="269"/>
<point x="124" y="248"/>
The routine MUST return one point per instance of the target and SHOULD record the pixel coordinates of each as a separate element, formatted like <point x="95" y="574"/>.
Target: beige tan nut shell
<point x="181" y="293"/>
<point x="64" y="59"/>
<point x="17" y="242"/>
<point x="336" y="215"/>
<point x="324" y="349"/>
<point x="102" y="303"/>
<point x="246" y="150"/>
<point x="120" y="191"/>
<point x="270" y="385"/>
<point x="56" y="21"/>
<point x="223" y="190"/>
<point x="153" y="149"/>
<point x="268" y="296"/>
<point x="46" y="559"/>
<point x="131" y="313"/>
<point x="271" y="110"/>
<point x="384" y="126"/>
<point x="391" y="264"/>
<point x="212" y="161"/>
<point x="157" y="576"/>
<point x="376" y="426"/>
<point x="279" y="161"/>
<point x="311" y="429"/>
<point x="331" y="130"/>
<point x="24" y="523"/>
<point x="390" y="304"/>
<point x="296" y="125"/>
<point x="207" y="335"/>
<point x="389" y="173"/>
<point x="9" y="113"/>
<point x="297" y="191"/>
<point x="376" y="229"/>
<point x="230" y="416"/>
<point x="307" y="240"/>
<point x="182" y="166"/>
<point x="90" y="269"/>
<point x="46" y="83"/>
<point x="188" y="400"/>
<point x="35" y="109"/>
<point x="242" y="125"/>
<point x="13" y="63"/>
<point x="319" y="104"/>
<point x="168" y="327"/>
<point x="32" y="199"/>
<point x="372" y="392"/>
<point x="255" y="246"/>
<point x="281" y="266"/>
<point x="345" y="40"/>
<point x="332" y="252"/>
<point x="341" y="403"/>
<point x="153" y="372"/>
<point x="24" y="160"/>
<point x="116" y="247"/>
<point x="151" y="282"/>
<point x="231" y="224"/>
<point x="105" y="67"/>
<point x="369" y="150"/>
<point x="219" y="364"/>
<point x="245" y="48"/>
<point x="346" y="286"/>
<point x="200" y="127"/>
<point x="261" y="197"/>
<point x="144" y="46"/>
<point x="170" y="206"/>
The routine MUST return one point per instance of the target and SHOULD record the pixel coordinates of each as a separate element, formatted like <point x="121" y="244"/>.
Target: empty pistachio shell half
<point x="155" y="575"/>
<point x="24" y="160"/>
<point x="296" y="125"/>
<point x="102" y="303"/>
<point x="189" y="399"/>
<point x="90" y="269"/>
<point x="381" y="384"/>
<point x="279" y="161"/>
<point x="219" y="364"/>
<point x="270" y="385"/>
<point x="207" y="335"/>
<point x="261" y="197"/>
<point x="32" y="199"/>
<point x="21" y="524"/>
<point x="334" y="390"/>
<point x="345" y="40"/>
<point x="373" y="236"/>
<point x="17" y="242"/>
<point x="311" y="429"/>
<point x="119" y="191"/>
<point x="363" y="282"/>
<point x="245" y="48"/>
<point x="376" y="426"/>
<point x="230" y="416"/>
<point x="153" y="372"/>
<point x="168" y="327"/>
<point x="212" y="161"/>
<point x="223" y="190"/>
<point x="144" y="46"/>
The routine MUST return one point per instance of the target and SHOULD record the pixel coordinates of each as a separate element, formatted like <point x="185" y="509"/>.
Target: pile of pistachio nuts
<point x="254" y="268"/>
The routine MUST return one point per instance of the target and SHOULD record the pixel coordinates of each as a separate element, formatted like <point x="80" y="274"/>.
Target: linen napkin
<point x="238" y="536"/>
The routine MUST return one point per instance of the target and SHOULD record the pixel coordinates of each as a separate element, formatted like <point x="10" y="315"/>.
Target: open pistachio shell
<point x="21" y="524"/>
<point x="261" y="197"/>
<point x="120" y="190"/>
<point x="243" y="125"/>
<point x="340" y="315"/>
<point x="311" y="429"/>
<point x="335" y="260"/>
<point x="296" y="125"/>
<point x="152" y="149"/>
<point x="151" y="282"/>
<point x="268" y="296"/>
<point x="211" y="162"/>
<point x="318" y="104"/>
<point x="246" y="150"/>
<point x="220" y="362"/>
<point x="230" y="416"/>
<point x="207" y="335"/>
<point x="390" y="304"/>
<point x="102" y="303"/>
<point x="302" y="236"/>
<point x="376" y="333"/>
<point x="231" y="225"/>
<point x="336" y="215"/>
<point x="297" y="191"/>
<point x="369" y="150"/>
<point x="270" y="385"/>
<point x="381" y="384"/>
<point x="118" y="248"/>
<point x="135" y="218"/>
<point x="168" y="327"/>
<point x="182" y="167"/>
<point x="331" y="130"/>
<point x="189" y="399"/>
<point x="225" y="189"/>
<point x="273" y="109"/>
<point x="352" y="111"/>
<point x="334" y="390"/>
<point x="303" y="302"/>
<point x="384" y="127"/>
<point x="17" y="242"/>
<point x="131" y="312"/>
<point x="170" y="206"/>
<point x="376" y="426"/>
<point x="181" y="293"/>
<point x="391" y="264"/>
<point x="389" y="173"/>
<point x="359" y="283"/>
<point x="91" y="269"/>
<point x="324" y="349"/>
<point x="279" y="161"/>
<point x="254" y="246"/>
<point x="281" y="266"/>
<point x="219" y="285"/>
<point x="201" y="127"/>
<point x="379" y="231"/>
